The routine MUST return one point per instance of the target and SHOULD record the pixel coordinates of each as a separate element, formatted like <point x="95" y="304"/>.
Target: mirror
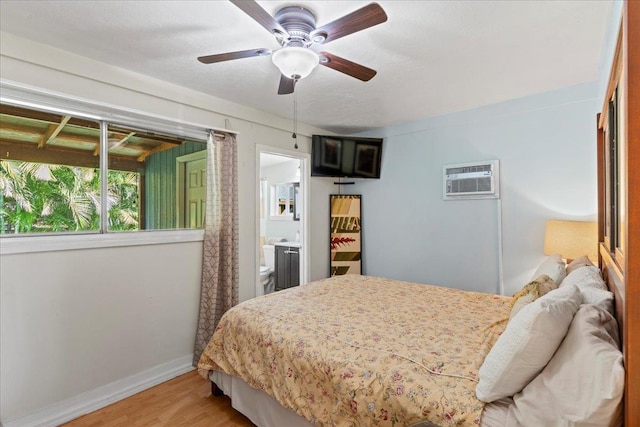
<point x="283" y="201"/>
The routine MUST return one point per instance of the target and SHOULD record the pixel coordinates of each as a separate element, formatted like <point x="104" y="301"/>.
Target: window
<point x="612" y="124"/>
<point x="613" y="182"/>
<point x="51" y="175"/>
<point x="283" y="201"/>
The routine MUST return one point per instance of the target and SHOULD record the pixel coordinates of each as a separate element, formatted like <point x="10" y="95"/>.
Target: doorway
<point x="282" y="217"/>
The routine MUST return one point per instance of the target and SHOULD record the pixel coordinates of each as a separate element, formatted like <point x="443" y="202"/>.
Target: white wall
<point x="73" y="321"/>
<point x="108" y="314"/>
<point x="547" y="151"/>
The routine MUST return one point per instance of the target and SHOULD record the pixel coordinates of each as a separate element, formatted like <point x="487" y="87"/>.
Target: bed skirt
<point x="262" y="409"/>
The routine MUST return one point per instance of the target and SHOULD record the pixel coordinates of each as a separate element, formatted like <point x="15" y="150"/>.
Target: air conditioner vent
<point x="477" y="180"/>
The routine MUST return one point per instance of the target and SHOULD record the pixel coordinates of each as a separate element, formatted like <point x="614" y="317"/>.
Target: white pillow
<point x="554" y="267"/>
<point x="583" y="383"/>
<point x="591" y="285"/>
<point x="579" y="262"/>
<point x="527" y="344"/>
<point x="585" y="276"/>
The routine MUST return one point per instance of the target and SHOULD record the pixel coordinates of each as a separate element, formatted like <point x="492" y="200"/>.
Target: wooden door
<point x="195" y="193"/>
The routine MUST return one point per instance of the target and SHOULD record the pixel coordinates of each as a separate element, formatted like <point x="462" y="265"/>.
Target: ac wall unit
<point x="474" y="180"/>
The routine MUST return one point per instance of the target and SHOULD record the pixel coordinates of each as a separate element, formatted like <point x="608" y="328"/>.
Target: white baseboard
<point x="100" y="397"/>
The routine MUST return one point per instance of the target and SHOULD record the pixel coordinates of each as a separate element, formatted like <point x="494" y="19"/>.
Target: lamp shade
<point x="295" y="62"/>
<point x="571" y="239"/>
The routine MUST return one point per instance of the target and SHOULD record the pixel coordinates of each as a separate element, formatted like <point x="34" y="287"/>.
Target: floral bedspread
<point x="363" y="351"/>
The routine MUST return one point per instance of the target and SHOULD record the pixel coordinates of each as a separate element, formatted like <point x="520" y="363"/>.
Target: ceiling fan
<point x="294" y="27"/>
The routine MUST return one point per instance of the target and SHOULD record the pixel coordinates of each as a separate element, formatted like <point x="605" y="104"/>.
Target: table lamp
<point x="571" y="239"/>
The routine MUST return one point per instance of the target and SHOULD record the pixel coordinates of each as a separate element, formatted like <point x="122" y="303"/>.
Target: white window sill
<point x="43" y="243"/>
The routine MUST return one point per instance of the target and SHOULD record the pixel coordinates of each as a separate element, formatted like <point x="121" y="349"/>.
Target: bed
<point x="366" y="351"/>
<point x="475" y="323"/>
<point x="340" y="352"/>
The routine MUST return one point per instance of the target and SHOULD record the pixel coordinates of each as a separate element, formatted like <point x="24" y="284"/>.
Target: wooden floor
<point x="182" y="401"/>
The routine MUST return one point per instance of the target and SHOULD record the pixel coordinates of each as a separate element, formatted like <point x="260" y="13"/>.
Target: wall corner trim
<point x="84" y="403"/>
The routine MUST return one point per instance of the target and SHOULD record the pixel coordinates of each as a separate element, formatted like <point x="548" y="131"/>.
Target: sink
<point x="290" y="244"/>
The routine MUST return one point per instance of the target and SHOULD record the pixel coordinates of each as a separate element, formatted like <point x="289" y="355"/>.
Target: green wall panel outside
<point x="160" y="185"/>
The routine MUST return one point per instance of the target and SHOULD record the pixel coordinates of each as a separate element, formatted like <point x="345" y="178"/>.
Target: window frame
<point x="612" y="147"/>
<point x="106" y="115"/>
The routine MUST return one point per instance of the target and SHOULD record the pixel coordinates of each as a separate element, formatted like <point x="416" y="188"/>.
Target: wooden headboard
<point x="619" y="198"/>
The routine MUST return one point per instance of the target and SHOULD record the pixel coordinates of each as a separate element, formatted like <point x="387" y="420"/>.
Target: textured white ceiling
<point x="432" y="57"/>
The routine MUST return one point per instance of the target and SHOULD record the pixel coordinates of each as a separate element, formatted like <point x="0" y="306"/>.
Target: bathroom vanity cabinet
<point x="287" y="274"/>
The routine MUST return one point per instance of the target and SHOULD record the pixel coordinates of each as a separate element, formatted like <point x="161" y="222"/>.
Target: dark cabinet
<point x="287" y="267"/>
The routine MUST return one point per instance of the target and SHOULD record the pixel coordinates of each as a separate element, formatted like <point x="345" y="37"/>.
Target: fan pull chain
<point x="295" y="116"/>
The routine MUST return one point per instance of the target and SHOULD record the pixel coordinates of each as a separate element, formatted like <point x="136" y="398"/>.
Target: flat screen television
<point x="345" y="156"/>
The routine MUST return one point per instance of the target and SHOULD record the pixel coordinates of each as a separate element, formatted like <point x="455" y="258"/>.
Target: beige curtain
<point x="219" y="291"/>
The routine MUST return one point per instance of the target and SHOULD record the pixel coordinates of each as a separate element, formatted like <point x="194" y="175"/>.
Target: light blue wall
<point x="547" y="150"/>
<point x="546" y="147"/>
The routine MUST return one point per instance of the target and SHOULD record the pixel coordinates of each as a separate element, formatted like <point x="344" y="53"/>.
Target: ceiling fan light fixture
<point x="295" y="62"/>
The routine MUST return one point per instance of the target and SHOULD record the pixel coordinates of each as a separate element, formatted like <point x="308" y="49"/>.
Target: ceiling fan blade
<point x="347" y="67"/>
<point x="286" y="85"/>
<point x="261" y="16"/>
<point x="220" y="57"/>
<point x="368" y="16"/>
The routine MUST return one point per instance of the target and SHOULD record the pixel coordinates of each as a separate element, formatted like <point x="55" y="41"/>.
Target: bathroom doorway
<point x="282" y="219"/>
